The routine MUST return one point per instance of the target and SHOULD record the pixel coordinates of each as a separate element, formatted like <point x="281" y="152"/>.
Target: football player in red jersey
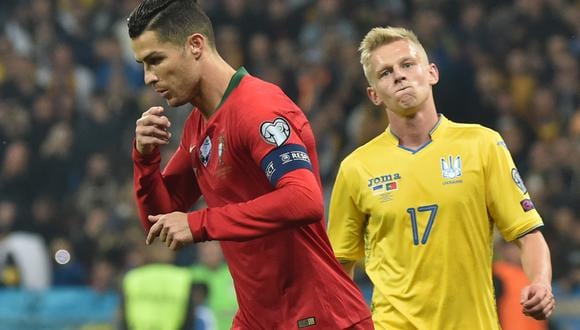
<point x="250" y="151"/>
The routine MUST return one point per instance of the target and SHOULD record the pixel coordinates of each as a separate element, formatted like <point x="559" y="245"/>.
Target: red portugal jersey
<point x="255" y="162"/>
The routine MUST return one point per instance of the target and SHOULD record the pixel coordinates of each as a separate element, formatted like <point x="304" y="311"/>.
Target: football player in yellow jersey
<point x="420" y="203"/>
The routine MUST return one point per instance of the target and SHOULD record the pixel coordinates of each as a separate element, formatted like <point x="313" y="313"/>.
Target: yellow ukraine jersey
<point x="423" y="220"/>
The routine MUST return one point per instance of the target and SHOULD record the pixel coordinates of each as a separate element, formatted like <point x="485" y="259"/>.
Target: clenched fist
<point x="151" y="130"/>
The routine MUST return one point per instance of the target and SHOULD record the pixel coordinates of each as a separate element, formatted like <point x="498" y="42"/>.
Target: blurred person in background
<point x="511" y="279"/>
<point x="103" y="276"/>
<point x="250" y="151"/>
<point x="23" y="254"/>
<point x="98" y="187"/>
<point x="55" y="156"/>
<point x="65" y="74"/>
<point x="204" y="316"/>
<point x="158" y="294"/>
<point x="92" y="240"/>
<point x="213" y="271"/>
<point x="421" y="208"/>
<point x="9" y="271"/>
<point x="15" y="181"/>
<point x="565" y="225"/>
<point x="42" y="217"/>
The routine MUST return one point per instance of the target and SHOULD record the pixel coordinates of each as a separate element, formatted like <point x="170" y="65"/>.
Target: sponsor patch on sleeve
<point x="283" y="160"/>
<point x="527" y="205"/>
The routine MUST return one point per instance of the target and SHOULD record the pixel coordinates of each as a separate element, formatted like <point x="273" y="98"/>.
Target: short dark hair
<point x="172" y="20"/>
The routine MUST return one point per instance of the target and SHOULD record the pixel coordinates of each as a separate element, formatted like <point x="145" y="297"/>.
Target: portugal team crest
<point x="205" y="151"/>
<point x="276" y="132"/>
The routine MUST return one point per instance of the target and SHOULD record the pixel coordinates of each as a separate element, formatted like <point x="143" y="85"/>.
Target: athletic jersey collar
<point x="435" y="132"/>
<point x="234" y="82"/>
<point x="439" y="128"/>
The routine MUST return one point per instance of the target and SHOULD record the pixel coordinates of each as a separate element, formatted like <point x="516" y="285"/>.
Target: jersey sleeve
<point x="272" y="133"/>
<point x="296" y="201"/>
<point x="507" y="199"/>
<point x="156" y="192"/>
<point x="345" y="221"/>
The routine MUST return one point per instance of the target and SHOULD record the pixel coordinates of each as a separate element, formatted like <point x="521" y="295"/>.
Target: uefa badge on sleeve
<point x="518" y="181"/>
<point x="275" y="132"/>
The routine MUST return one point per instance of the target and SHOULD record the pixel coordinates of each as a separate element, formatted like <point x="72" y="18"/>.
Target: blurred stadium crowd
<point x="70" y="92"/>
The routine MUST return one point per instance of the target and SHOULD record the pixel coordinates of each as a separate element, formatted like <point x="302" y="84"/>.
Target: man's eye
<point x="407" y="65"/>
<point x="385" y="73"/>
<point x="154" y="60"/>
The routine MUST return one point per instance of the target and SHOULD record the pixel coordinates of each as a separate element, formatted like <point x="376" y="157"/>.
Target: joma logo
<point x="383" y="178"/>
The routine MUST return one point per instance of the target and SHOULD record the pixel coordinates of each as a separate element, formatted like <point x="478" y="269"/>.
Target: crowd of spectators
<point x="70" y="92"/>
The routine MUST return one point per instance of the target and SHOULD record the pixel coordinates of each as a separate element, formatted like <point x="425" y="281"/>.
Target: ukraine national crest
<point x="451" y="168"/>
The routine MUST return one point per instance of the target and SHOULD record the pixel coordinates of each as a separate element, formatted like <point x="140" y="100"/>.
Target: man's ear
<point x="196" y="44"/>
<point x="433" y="74"/>
<point x="372" y="94"/>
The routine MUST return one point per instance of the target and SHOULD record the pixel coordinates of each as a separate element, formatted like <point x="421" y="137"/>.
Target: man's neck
<point x="212" y="85"/>
<point x="413" y="132"/>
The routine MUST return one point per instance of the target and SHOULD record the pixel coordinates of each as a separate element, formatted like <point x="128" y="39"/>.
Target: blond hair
<point x="380" y="36"/>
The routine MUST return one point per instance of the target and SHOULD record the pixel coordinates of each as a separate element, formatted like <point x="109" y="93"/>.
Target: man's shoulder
<point x="255" y="89"/>
<point x="472" y="131"/>
<point x="261" y="95"/>
<point x="365" y="151"/>
<point x="260" y="101"/>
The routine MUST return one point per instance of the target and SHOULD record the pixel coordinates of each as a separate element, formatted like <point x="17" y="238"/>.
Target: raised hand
<point x="151" y="130"/>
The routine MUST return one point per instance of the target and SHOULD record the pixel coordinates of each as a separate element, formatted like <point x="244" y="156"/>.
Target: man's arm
<point x="345" y="222"/>
<point x="174" y="190"/>
<point x="537" y="299"/>
<point x="296" y="201"/>
<point x="158" y="193"/>
<point x="348" y="267"/>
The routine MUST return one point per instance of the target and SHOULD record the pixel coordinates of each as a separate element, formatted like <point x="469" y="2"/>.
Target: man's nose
<point x="398" y="75"/>
<point x="150" y="77"/>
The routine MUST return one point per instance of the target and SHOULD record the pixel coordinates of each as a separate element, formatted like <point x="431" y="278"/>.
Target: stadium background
<point x="70" y="92"/>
